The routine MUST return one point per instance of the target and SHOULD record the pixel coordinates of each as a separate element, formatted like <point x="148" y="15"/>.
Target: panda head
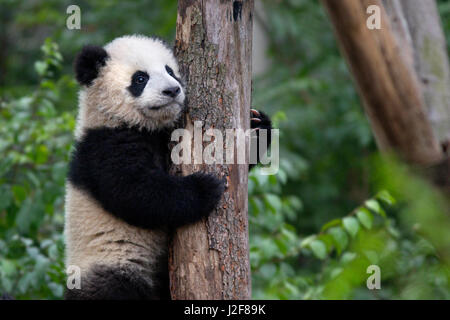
<point x="133" y="80"/>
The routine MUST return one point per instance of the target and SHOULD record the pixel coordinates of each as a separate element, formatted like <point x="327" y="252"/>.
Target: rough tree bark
<point x="210" y="260"/>
<point x="431" y="61"/>
<point x="388" y="84"/>
<point x="400" y="28"/>
<point x="422" y="37"/>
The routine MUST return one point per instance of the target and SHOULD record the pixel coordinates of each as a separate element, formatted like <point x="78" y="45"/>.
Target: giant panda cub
<point x="120" y="199"/>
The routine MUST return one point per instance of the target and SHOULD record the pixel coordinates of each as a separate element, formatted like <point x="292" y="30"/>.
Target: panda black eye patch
<point x="171" y="73"/>
<point x="138" y="83"/>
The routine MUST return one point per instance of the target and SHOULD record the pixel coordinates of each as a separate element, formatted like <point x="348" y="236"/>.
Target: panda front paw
<point x="259" y="120"/>
<point x="209" y="191"/>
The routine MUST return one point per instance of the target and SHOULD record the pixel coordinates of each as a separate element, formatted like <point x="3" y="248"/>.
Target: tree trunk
<point x="431" y="61"/>
<point x="401" y="30"/>
<point x="387" y="83"/>
<point x="210" y="260"/>
<point x="422" y="38"/>
<point x="417" y="27"/>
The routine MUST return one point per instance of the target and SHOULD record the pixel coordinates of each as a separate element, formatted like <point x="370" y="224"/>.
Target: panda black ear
<point x="88" y="63"/>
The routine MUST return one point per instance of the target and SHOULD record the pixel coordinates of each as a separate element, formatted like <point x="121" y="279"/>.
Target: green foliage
<point x="410" y="251"/>
<point x="333" y="209"/>
<point x="31" y="22"/>
<point x="444" y="10"/>
<point x="340" y="229"/>
<point x="405" y="235"/>
<point x="35" y="139"/>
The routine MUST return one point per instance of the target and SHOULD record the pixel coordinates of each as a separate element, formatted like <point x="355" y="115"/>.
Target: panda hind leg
<point x="113" y="283"/>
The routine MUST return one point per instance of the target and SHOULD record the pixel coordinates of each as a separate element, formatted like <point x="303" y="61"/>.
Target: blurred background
<point x="334" y="208"/>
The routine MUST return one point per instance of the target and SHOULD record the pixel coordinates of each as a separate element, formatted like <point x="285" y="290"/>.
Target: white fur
<point x="107" y="102"/>
<point x="91" y="234"/>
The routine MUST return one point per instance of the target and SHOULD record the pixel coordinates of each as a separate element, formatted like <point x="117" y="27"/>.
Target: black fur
<point x="125" y="170"/>
<point x="263" y="123"/>
<point x="88" y="63"/>
<point x="137" y="87"/>
<point x="118" y="283"/>
<point x="172" y="74"/>
<point x="171" y="91"/>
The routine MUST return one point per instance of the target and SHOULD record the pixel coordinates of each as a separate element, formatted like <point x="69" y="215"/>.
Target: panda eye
<point x="170" y="71"/>
<point x="140" y="80"/>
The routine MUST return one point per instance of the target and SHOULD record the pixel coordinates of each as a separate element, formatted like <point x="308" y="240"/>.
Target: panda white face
<point x="137" y="82"/>
<point x="155" y="89"/>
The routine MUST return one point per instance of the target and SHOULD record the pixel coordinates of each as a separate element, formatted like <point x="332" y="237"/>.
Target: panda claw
<point x="255" y="119"/>
<point x="255" y="112"/>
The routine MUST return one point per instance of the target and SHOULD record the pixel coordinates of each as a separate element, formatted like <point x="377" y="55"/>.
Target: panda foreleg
<point x="118" y="168"/>
<point x="163" y="200"/>
<point x="259" y="120"/>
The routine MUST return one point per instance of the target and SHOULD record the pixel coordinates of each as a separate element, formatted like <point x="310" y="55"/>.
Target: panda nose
<point x="171" y="92"/>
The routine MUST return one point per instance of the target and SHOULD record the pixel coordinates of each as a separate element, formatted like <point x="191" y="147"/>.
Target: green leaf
<point x="8" y="267"/>
<point x="319" y="249"/>
<point x="33" y="178"/>
<point x="365" y="217"/>
<point x="251" y="186"/>
<point x="282" y="176"/>
<point x="295" y="202"/>
<point x="335" y="272"/>
<point x="25" y="282"/>
<point x="57" y="289"/>
<point x="7" y="284"/>
<point x="372" y="256"/>
<point x="306" y="241"/>
<point x="288" y="232"/>
<point x="331" y="224"/>
<point x="5" y="197"/>
<point x="282" y="245"/>
<point x="386" y="197"/>
<point x="261" y="179"/>
<point x="40" y="67"/>
<point x="273" y="180"/>
<point x="340" y="238"/>
<point x="255" y="205"/>
<point x="393" y="231"/>
<point x="327" y="239"/>
<point x="20" y="193"/>
<point x="268" y="270"/>
<point x="269" y="249"/>
<point x="348" y="257"/>
<point x="53" y="252"/>
<point x="351" y="225"/>
<point x="373" y="205"/>
<point x="41" y="154"/>
<point x="24" y="216"/>
<point x="273" y="202"/>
